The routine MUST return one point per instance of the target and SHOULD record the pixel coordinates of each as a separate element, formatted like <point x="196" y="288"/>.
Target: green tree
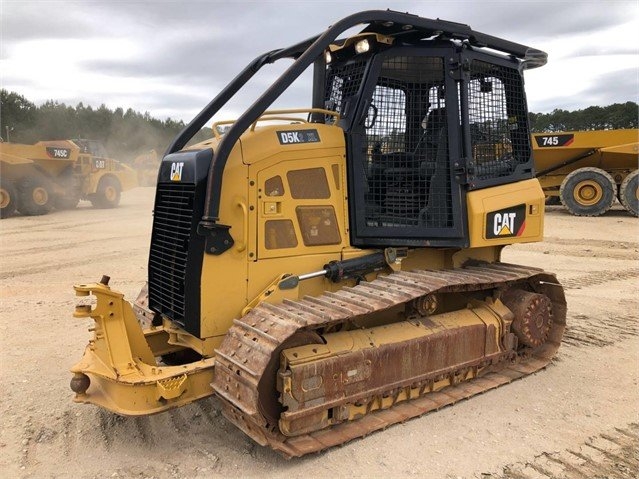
<point x="615" y="116"/>
<point x="125" y="134"/>
<point x="16" y="113"/>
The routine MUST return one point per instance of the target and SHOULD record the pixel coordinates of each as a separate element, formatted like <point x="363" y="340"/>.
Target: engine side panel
<point x="506" y="214"/>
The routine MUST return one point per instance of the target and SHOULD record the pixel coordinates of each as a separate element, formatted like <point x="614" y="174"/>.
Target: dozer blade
<point x="118" y="370"/>
<point x="300" y="378"/>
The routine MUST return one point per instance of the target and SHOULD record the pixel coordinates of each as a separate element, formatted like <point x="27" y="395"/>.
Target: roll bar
<point x="404" y="26"/>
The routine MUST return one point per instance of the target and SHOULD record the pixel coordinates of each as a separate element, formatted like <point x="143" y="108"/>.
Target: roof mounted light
<point x="362" y="46"/>
<point x="328" y="57"/>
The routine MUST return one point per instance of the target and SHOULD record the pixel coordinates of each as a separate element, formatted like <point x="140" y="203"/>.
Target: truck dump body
<point x="606" y="159"/>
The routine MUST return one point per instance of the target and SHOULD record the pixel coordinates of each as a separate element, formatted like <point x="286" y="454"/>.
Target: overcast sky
<point x="171" y="57"/>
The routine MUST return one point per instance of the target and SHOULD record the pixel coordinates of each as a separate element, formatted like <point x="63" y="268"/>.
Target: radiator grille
<point x="172" y="226"/>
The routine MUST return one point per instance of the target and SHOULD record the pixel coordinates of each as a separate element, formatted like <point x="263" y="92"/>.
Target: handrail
<point x="274" y="115"/>
<point x="216" y="133"/>
<point x="271" y="115"/>
<point x="241" y="245"/>
<point x="293" y="121"/>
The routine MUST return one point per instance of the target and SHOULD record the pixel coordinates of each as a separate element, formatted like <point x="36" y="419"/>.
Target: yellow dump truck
<point x="34" y="179"/>
<point x="587" y="170"/>
<point x="147" y="166"/>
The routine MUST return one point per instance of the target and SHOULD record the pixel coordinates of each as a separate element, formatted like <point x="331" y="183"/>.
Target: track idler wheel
<point x="533" y="316"/>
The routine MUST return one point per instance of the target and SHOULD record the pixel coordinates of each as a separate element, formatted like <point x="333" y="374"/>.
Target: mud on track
<point x="576" y="419"/>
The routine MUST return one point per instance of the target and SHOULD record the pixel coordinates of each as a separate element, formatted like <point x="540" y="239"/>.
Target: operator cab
<point x="404" y="190"/>
<point x="425" y="121"/>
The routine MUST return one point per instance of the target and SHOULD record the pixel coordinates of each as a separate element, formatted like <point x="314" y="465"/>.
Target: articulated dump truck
<point x="34" y="179"/>
<point x="147" y="166"/>
<point x="588" y="170"/>
<point x="330" y="271"/>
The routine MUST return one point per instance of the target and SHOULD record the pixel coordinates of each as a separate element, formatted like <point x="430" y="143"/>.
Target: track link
<point x="244" y="357"/>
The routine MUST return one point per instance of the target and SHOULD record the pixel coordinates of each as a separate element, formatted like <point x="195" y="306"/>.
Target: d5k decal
<point x="507" y="222"/>
<point x="298" y="136"/>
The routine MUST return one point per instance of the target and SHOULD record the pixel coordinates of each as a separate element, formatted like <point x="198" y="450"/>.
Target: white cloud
<point x="580" y="64"/>
<point x="51" y="68"/>
<point x="170" y="58"/>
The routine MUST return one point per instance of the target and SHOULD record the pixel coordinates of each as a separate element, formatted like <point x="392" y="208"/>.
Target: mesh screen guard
<point x="407" y="169"/>
<point x="421" y="124"/>
<point x="498" y="120"/>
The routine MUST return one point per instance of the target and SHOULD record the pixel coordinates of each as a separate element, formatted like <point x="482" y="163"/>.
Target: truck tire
<point x="66" y="202"/>
<point x="552" y="200"/>
<point x="588" y="192"/>
<point x="629" y="192"/>
<point x="108" y="193"/>
<point x="71" y="186"/>
<point x="34" y="196"/>
<point x="8" y="198"/>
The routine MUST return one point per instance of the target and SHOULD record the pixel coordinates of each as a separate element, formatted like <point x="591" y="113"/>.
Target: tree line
<point x="611" y="117"/>
<point x="126" y="134"/>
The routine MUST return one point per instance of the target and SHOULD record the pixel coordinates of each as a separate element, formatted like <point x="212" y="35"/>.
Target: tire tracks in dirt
<point x="587" y="331"/>
<point x="596" y="278"/>
<point x="621" y="250"/>
<point x="55" y="265"/>
<point x="45" y="227"/>
<point x="65" y="246"/>
<point x="590" y="242"/>
<point x="611" y="455"/>
<point x="75" y="434"/>
<point x="29" y="229"/>
<point x="80" y="432"/>
<point x="599" y="331"/>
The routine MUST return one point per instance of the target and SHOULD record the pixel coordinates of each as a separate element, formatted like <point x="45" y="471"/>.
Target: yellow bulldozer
<point x="321" y="284"/>
<point x="587" y="170"/>
<point x="34" y="179"/>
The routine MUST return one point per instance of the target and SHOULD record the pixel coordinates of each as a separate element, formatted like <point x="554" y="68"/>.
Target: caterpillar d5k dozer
<point x="328" y="272"/>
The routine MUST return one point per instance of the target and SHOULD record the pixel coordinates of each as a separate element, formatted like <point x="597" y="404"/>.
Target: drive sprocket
<point x="533" y="316"/>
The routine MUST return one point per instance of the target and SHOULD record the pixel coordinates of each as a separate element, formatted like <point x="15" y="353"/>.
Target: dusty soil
<point x="578" y="418"/>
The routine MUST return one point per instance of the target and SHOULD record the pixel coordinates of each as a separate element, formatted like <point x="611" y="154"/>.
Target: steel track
<point x="245" y="355"/>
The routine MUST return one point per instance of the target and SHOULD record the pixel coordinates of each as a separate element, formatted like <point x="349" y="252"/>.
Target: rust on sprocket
<point x="533" y="316"/>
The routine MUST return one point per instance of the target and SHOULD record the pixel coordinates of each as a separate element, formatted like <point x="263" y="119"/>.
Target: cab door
<point x="404" y="146"/>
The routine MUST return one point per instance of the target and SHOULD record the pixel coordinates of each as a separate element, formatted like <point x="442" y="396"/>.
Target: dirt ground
<point x="578" y="418"/>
